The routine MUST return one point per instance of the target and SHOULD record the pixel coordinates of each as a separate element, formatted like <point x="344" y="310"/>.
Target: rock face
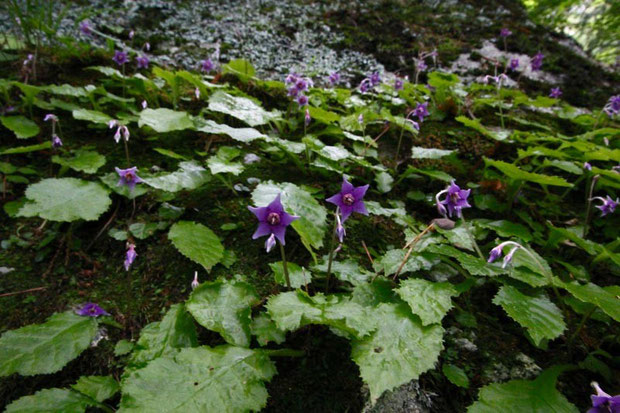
<point x="408" y="398"/>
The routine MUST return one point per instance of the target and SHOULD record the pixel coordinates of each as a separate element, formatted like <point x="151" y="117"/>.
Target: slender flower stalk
<point x="56" y="141"/>
<point x="420" y="111"/>
<point x="589" y="199"/>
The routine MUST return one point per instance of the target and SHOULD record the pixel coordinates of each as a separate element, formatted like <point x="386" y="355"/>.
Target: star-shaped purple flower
<point x="608" y="206"/>
<point x="537" y="61"/>
<point x="120" y="57"/>
<point x="143" y="62"/>
<point x="334" y="78"/>
<point x="603" y="402"/>
<point x="555" y="93"/>
<point x="85" y="27"/>
<point x="207" y="65"/>
<point x="398" y="84"/>
<point x="56" y="142"/>
<point x="514" y="64"/>
<point x="350" y="199"/>
<point x="91" y="310"/>
<point x="272" y="220"/>
<point x="454" y="202"/>
<point x="375" y="78"/>
<point x="612" y="107"/>
<point x="421" y="111"/>
<point x="302" y="100"/>
<point x="128" y="177"/>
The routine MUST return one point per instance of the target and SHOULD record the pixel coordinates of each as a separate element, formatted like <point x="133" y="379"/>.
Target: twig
<point x="367" y="253"/>
<point x="23" y="291"/>
<point x="411" y="244"/>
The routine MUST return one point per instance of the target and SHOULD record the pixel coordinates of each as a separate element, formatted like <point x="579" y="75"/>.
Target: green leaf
<point x="143" y="230"/>
<point x="506" y="229"/>
<point x="222" y="379"/>
<point x="165" y="120"/>
<point x="99" y="388"/>
<point x="226" y="307"/>
<point x="170" y="154"/>
<point x="473" y="265"/>
<point x="524" y="396"/>
<point x="348" y="271"/>
<point x="175" y="331"/>
<point x="592" y="293"/>
<point x="322" y="115"/>
<point x="456" y="375"/>
<point x="294" y="309"/>
<point x="244" y="135"/>
<point x="266" y="330"/>
<point x="68" y="90"/>
<point x="477" y="126"/>
<point x="311" y="225"/>
<point x="241" y="108"/>
<point x="123" y="347"/>
<point x="23" y="127"/>
<point x="432" y="173"/>
<point x="91" y="116"/>
<point x="222" y="161"/>
<point x="513" y="172"/>
<point x="51" y="401"/>
<point x="65" y="200"/>
<point x="48" y="347"/>
<point x="384" y="182"/>
<point x="190" y="175"/>
<point x="418" y="152"/>
<point x="197" y="242"/>
<point x="82" y="161"/>
<point x="459" y="236"/>
<point x="431" y="301"/>
<point x="392" y="259"/>
<point x="239" y="67"/>
<point x="398" y="351"/>
<point x="298" y="275"/>
<point x="26" y="149"/>
<point x="541" y="318"/>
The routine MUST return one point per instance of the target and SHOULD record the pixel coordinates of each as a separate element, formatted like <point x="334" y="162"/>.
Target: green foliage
<point x="225" y="307"/>
<point x="165" y="120"/>
<point x="431" y="301"/>
<point x="23" y="127"/>
<point x="223" y="161"/>
<point x="189" y="176"/>
<point x="222" y="379"/>
<point x="298" y="276"/>
<point x="456" y="375"/>
<point x="197" y="242"/>
<point x="83" y="160"/>
<point x="241" y="108"/>
<point x="65" y="199"/>
<point x="48" y="347"/>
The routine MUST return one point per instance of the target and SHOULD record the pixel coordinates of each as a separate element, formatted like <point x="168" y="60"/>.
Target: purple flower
<point x="421" y="110"/>
<point x="505" y="32"/>
<point x="147" y="46"/>
<point x="608" y="206"/>
<point x="498" y="250"/>
<point x="555" y="93"/>
<point x="130" y="256"/>
<point x="131" y="34"/>
<point x="144" y="104"/>
<point x="454" y="202"/>
<point x="51" y="117"/>
<point x="398" y="84"/>
<point x="360" y="119"/>
<point x="375" y="79"/>
<point x="508" y="257"/>
<point x="350" y="199"/>
<point x="421" y="67"/>
<point x="307" y="118"/>
<point x="612" y="107"/>
<point x="587" y="166"/>
<point x="301" y="84"/>
<point x="207" y="65"/>
<point x="120" y="57"/>
<point x="272" y="220"/>
<point x="91" y="310"/>
<point x="85" y="27"/>
<point x="143" y="62"/>
<point x="195" y="282"/>
<point x="514" y="64"/>
<point x="56" y="142"/>
<point x="340" y="231"/>
<point x="197" y="93"/>
<point x="537" y="61"/>
<point x="334" y="78"/>
<point x="128" y="177"/>
<point x="495" y="253"/>
<point x="121" y="129"/>
<point x="293" y="92"/>
<point x="603" y="402"/>
<point x="302" y="100"/>
<point x="366" y="85"/>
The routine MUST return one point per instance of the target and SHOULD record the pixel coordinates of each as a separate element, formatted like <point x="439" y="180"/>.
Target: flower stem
<point x="331" y="255"/>
<point x="589" y="205"/>
<point x="284" y="267"/>
<point x="585" y="318"/>
<point x="127" y="152"/>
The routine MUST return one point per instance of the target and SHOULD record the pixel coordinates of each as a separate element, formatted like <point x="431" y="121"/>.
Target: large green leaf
<point x="48" y="347"/>
<point x="514" y="172"/>
<point x="190" y="175"/>
<point x="418" y="152"/>
<point x="473" y="265"/>
<point x="175" y="331"/>
<point x="348" y="270"/>
<point x="51" y="401"/>
<point x="99" y="388"/>
<point x="82" y="161"/>
<point x="294" y="309"/>
<point x="390" y="262"/>
<point x="477" y="126"/>
<point x="165" y="120"/>
<point x="299" y="276"/>
<point x="65" y="199"/>
<point x="26" y="149"/>
<point x="226" y="307"/>
<point x="197" y="242"/>
<point x="311" y="225"/>
<point x="242" y="108"/>
<point x="541" y="318"/>
<point x="23" y="127"/>
<point x="592" y="293"/>
<point x="223" y="161"/>
<point x="244" y="135"/>
<point x="266" y="330"/>
<point x="92" y="116"/>
<point x="431" y="301"/>
<point x="505" y="228"/>
<point x="398" y="351"/>
<point x="222" y="379"/>
<point x="524" y="396"/>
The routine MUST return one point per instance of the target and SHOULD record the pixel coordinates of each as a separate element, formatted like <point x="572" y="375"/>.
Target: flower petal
<point x="359" y="192"/>
<point x="286" y="218"/>
<point x="279" y="231"/>
<point x="276" y="205"/>
<point x="360" y="208"/>
<point x="260" y="212"/>
<point x="262" y="230"/>
<point x="347" y="187"/>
